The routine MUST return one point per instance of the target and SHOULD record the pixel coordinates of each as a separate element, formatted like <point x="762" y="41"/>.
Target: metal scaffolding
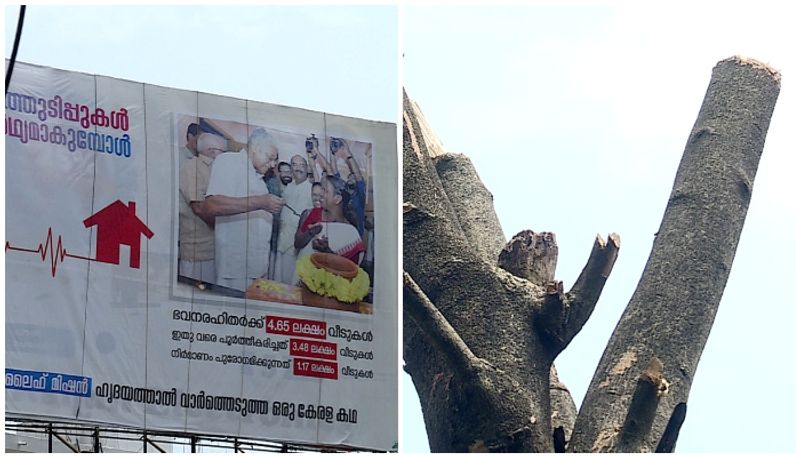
<point x="85" y="437"/>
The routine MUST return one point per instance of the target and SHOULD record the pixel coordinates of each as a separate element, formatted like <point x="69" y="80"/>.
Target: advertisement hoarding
<point x="172" y="265"/>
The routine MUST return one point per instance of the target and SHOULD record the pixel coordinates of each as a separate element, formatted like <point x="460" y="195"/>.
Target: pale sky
<point x="340" y="60"/>
<point x="576" y="118"/>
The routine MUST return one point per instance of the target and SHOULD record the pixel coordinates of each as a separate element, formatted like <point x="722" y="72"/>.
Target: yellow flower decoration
<point x="268" y="286"/>
<point x="325" y="283"/>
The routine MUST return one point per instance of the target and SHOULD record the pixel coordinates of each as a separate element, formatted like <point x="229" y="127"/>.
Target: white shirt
<point x="297" y="196"/>
<point x="241" y="240"/>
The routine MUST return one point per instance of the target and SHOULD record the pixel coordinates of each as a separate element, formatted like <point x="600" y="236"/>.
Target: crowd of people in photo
<point x="246" y="215"/>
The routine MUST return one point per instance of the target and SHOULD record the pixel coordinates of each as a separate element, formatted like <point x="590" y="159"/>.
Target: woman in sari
<point x="327" y="229"/>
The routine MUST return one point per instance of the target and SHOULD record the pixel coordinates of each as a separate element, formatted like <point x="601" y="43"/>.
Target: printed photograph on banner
<point x="271" y="215"/>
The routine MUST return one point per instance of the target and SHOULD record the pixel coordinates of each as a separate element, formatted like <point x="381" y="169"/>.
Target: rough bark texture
<point x="672" y="310"/>
<point x="564" y="411"/>
<point x="472" y="204"/>
<point x="484" y="322"/>
<point x="458" y="410"/>
<point x="495" y="395"/>
<point x="649" y="388"/>
<point x="532" y="256"/>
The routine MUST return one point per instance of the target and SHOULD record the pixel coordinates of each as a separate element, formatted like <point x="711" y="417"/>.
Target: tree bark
<point x="672" y="310"/>
<point x="474" y="343"/>
<point x="483" y="322"/>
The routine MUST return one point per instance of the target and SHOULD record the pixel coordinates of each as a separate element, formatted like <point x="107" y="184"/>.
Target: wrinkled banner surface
<point x="101" y="326"/>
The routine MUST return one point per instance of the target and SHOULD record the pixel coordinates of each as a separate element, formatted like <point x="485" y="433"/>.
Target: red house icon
<point x="117" y="224"/>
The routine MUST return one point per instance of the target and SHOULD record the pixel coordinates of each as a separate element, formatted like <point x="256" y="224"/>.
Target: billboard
<point x="189" y="262"/>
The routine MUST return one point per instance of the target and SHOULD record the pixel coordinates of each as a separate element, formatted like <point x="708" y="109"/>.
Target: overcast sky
<point x="341" y="60"/>
<point x="576" y="118"/>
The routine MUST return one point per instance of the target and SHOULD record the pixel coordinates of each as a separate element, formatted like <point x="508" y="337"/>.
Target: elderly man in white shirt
<point x="297" y="195"/>
<point x="243" y="211"/>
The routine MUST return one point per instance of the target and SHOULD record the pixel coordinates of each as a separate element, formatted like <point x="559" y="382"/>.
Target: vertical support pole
<point x="96" y="440"/>
<point x="235" y="445"/>
<point x="194" y="444"/>
<point x="49" y="437"/>
<point x="144" y="442"/>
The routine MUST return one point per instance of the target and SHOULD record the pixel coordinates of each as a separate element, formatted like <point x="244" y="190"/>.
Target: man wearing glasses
<point x="243" y="210"/>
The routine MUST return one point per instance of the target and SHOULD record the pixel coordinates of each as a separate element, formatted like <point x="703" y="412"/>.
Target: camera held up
<point x="336" y="144"/>
<point x="311" y="142"/>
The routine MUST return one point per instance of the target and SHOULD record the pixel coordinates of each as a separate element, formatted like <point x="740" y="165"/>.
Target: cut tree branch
<point x="423" y="131"/>
<point x="430" y="226"/>
<point x="504" y="425"/>
<point x="439" y="332"/>
<point x="489" y="309"/>
<point x="472" y="203"/>
<point x="642" y="410"/>
<point x="672" y="309"/>
<point x="532" y="256"/>
<point x="562" y="316"/>
<point x="589" y="285"/>
<point x="451" y="248"/>
<point x="447" y="186"/>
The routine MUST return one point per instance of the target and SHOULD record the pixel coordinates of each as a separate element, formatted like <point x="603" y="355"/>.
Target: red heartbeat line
<point x="57" y="253"/>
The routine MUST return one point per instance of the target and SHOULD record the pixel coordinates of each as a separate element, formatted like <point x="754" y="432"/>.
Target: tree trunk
<point x="484" y="321"/>
<point x="670" y="314"/>
<point x="481" y="357"/>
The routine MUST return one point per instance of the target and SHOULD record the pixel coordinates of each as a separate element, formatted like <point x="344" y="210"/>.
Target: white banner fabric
<point x="105" y="323"/>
